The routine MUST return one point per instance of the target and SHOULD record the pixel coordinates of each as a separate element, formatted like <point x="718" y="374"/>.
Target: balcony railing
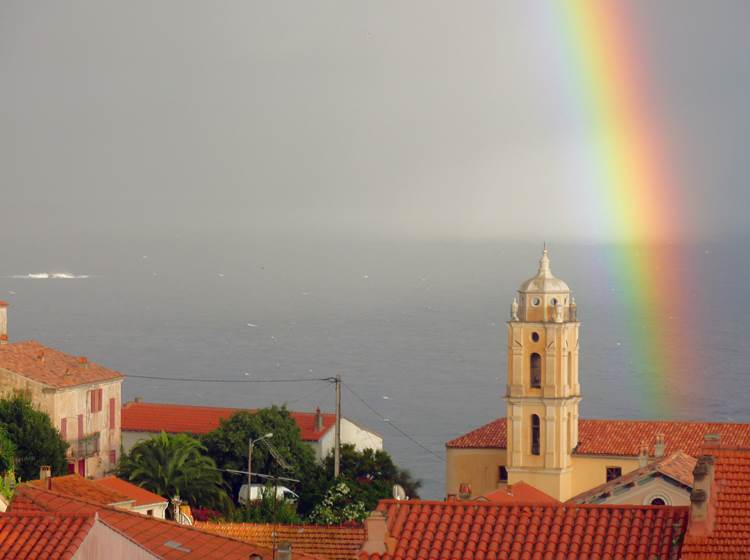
<point x="86" y="446"/>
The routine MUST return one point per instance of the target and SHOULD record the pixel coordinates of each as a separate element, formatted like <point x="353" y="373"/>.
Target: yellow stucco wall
<point x="478" y="467"/>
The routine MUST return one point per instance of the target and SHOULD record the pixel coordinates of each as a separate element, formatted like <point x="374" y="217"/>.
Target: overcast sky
<point x="407" y="119"/>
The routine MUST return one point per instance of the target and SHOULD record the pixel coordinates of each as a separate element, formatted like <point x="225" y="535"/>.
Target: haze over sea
<point x="416" y="328"/>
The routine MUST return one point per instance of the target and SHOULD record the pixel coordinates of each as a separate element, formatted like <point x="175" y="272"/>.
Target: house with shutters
<point x="82" y="398"/>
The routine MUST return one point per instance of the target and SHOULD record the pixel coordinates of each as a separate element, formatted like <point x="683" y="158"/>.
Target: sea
<point x="415" y="328"/>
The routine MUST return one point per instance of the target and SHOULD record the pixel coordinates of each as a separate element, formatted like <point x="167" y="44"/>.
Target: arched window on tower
<point x="535" y="434"/>
<point x="535" y="366"/>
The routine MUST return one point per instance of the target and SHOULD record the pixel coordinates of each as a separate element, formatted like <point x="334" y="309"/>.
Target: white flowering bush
<point x="338" y="506"/>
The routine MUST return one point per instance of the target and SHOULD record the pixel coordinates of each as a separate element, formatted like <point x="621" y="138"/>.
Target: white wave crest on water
<point x="50" y="276"/>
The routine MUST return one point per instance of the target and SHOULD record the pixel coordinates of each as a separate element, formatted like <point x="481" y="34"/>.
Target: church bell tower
<point x="543" y="390"/>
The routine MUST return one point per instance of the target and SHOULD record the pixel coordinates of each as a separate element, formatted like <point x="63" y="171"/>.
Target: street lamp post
<point x="250" y="462"/>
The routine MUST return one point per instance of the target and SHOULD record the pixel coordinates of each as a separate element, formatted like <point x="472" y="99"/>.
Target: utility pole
<point x="337" y="432"/>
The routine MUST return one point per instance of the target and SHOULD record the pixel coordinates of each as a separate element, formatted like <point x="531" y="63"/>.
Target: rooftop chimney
<point x="643" y="455"/>
<point x="284" y="551"/>
<point x="45" y="471"/>
<point x="3" y="322"/>
<point x="659" y="446"/>
<point x="703" y="497"/>
<point x="464" y="491"/>
<point x="376" y="529"/>
<point x="318" y="420"/>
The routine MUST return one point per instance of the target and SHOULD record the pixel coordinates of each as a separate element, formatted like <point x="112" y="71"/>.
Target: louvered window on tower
<point x="535" y="367"/>
<point x="535" y="427"/>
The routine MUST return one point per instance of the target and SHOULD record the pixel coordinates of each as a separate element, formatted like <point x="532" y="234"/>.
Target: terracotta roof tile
<point x="328" y="542"/>
<point x="518" y="493"/>
<point x="36" y="535"/>
<point x="79" y="487"/>
<point x="37" y="362"/>
<point x="163" y="538"/>
<point x="678" y="466"/>
<point x="484" y="531"/>
<point x="730" y="537"/>
<point x="180" y="418"/>
<point x="621" y="437"/>
<point x="141" y="496"/>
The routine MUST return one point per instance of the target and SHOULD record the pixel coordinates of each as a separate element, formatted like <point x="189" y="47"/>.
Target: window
<point x="64" y="428"/>
<point x="613" y="473"/>
<point x="95" y="399"/>
<point x="553" y="302"/>
<point x="112" y="457"/>
<point x="150" y="513"/>
<point x="658" y="502"/>
<point x="112" y="413"/>
<point x="535" y="427"/>
<point x="536" y="301"/>
<point x="502" y="474"/>
<point x="535" y="366"/>
<point x="535" y="337"/>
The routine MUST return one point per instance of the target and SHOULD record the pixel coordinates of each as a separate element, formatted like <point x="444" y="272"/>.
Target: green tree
<point x="338" y="506"/>
<point x="371" y="475"/>
<point x="228" y="446"/>
<point x="35" y="439"/>
<point x="171" y="465"/>
<point x="7" y="451"/>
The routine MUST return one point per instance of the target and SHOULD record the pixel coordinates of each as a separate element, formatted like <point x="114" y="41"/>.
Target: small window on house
<point x="150" y="513"/>
<point x="535" y="336"/>
<point x="535" y="427"/>
<point x="502" y="474"/>
<point x="613" y="473"/>
<point x="536" y="301"/>
<point x="658" y="502"/>
<point x="535" y="366"/>
<point x="112" y="457"/>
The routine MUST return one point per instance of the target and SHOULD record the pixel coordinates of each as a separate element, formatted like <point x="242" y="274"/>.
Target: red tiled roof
<point x="621" y="437"/>
<point x="519" y="493"/>
<point x="141" y="496"/>
<point x="35" y="361"/>
<point x="79" y="487"/>
<point x="678" y="466"/>
<point x="328" y="542"/>
<point x="486" y="531"/>
<point x="730" y="537"/>
<point x="182" y="418"/>
<point x="165" y="539"/>
<point x="30" y="536"/>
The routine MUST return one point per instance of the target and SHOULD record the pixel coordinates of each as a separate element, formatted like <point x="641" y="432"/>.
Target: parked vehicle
<point x="257" y="491"/>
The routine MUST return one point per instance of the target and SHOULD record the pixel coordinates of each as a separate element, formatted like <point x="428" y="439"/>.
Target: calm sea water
<point x="417" y="329"/>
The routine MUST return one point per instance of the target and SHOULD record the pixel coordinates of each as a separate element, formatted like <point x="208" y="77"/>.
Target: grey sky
<point x="424" y="119"/>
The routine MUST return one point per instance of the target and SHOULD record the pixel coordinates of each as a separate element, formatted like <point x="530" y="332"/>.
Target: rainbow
<point x="623" y="158"/>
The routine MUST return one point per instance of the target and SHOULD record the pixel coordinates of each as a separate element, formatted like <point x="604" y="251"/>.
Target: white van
<point x="257" y="490"/>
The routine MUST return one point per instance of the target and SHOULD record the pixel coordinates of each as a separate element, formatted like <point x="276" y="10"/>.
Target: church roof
<point x="544" y="281"/>
<point x="620" y="437"/>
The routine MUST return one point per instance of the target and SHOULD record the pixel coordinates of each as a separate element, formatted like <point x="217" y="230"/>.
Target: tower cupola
<point x="543" y="297"/>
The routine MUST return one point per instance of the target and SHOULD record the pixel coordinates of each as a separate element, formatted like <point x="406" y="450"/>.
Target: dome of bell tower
<point x="544" y="282"/>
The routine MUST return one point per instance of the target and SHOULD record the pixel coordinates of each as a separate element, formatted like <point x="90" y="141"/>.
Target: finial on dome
<point x="544" y="269"/>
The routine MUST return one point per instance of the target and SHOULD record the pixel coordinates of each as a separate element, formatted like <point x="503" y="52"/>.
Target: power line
<point x="194" y="380"/>
<point x="389" y="422"/>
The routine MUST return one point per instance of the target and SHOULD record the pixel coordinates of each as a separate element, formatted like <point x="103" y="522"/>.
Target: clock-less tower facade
<point x="543" y="390"/>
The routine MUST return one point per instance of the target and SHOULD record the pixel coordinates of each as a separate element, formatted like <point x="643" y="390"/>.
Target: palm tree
<point x="171" y="465"/>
